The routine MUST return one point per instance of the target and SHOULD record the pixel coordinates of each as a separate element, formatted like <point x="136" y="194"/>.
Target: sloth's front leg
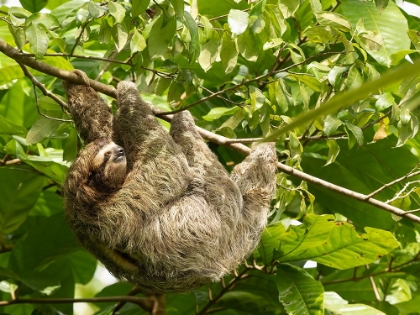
<point x="92" y="116"/>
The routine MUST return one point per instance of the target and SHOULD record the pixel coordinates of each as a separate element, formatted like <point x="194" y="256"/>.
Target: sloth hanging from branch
<point x="159" y="209"/>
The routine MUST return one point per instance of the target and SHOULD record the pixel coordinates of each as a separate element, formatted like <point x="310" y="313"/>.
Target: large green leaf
<point x="9" y="128"/>
<point x="335" y="305"/>
<point x="44" y="164"/>
<point x="43" y="127"/>
<point x="332" y="243"/>
<point x="44" y="243"/>
<point x="394" y="34"/>
<point x="160" y="36"/>
<point x="299" y="293"/>
<point x="192" y="27"/>
<point x="364" y="170"/>
<point x="20" y="189"/>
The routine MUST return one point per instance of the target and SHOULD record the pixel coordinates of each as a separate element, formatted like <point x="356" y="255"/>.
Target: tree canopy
<point x="334" y="83"/>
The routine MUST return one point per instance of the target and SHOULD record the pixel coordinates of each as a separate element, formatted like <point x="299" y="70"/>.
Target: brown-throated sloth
<point x="159" y="209"/>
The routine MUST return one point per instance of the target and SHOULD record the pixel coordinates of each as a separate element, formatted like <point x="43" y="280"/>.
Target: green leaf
<point x="335" y="244"/>
<point x="178" y="7"/>
<point x="192" y="27"/>
<point x="394" y="34"/>
<point x="233" y="121"/>
<point x="356" y="133"/>
<point x="117" y="11"/>
<point x="217" y="112"/>
<point x="19" y="194"/>
<point x="48" y="20"/>
<point x="256" y="97"/>
<point x="8" y="128"/>
<point x="18" y="35"/>
<point x="137" y="43"/>
<point x="83" y="266"/>
<point x="270" y="241"/>
<point x="33" y="6"/>
<point x="333" y="150"/>
<point x="308" y="80"/>
<point x="160" y="36"/>
<point x="208" y="27"/>
<point x="381" y="4"/>
<point x="238" y="21"/>
<point x="44" y="127"/>
<point x="228" y="53"/>
<point x="209" y="52"/>
<point x="138" y="7"/>
<point x="335" y="305"/>
<point x="120" y="35"/>
<point x="247" y="46"/>
<point x="96" y="10"/>
<point x="298" y="291"/>
<point x="37" y="249"/>
<point x="334" y="19"/>
<point x="384" y="101"/>
<point x="38" y="39"/>
<point x="105" y="32"/>
<point x="289" y="7"/>
<point x="44" y="164"/>
<point x="331" y="124"/>
<point x="415" y="38"/>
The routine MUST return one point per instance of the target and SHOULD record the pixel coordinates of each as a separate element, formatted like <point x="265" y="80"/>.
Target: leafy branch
<point x="220" y="140"/>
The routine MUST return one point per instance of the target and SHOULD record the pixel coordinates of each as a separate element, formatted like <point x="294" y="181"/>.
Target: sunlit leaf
<point x="335" y="244"/>
<point x="238" y="21"/>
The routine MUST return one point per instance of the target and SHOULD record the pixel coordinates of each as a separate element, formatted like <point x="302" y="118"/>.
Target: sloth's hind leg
<point x="137" y="129"/>
<point x="136" y="123"/>
<point x="156" y="166"/>
<point x="256" y="178"/>
<point x="258" y="170"/>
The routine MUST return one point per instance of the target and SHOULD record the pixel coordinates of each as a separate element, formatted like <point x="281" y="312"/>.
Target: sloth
<point x="156" y="208"/>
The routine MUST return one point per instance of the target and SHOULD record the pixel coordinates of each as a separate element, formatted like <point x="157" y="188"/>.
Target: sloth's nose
<point x="119" y="151"/>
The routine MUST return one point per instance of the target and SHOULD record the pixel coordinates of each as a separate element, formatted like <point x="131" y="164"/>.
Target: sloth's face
<point x="109" y="166"/>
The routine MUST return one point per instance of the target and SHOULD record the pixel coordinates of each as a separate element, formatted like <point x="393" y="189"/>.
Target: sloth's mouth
<point x="119" y="159"/>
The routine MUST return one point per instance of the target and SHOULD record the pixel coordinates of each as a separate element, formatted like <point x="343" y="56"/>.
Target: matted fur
<point x="179" y="220"/>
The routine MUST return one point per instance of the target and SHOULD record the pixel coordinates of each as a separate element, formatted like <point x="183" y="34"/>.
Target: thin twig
<point x="246" y="82"/>
<point x="410" y="174"/>
<point x="222" y="292"/>
<point x="35" y="84"/>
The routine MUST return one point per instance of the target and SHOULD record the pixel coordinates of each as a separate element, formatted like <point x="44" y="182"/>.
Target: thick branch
<point x="110" y="91"/>
<point x="148" y="304"/>
<point x="55" y="72"/>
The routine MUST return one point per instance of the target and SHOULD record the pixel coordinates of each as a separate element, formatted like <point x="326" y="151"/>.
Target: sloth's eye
<point x="107" y="155"/>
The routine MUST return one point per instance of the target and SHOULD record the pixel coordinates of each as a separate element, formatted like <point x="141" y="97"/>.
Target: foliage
<point x="313" y="75"/>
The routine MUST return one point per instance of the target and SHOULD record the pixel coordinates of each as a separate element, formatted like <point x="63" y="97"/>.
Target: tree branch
<point x="220" y="140"/>
<point x="148" y="304"/>
<point x="55" y="72"/>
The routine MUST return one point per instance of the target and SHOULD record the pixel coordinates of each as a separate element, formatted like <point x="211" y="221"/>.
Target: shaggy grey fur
<point x="178" y="220"/>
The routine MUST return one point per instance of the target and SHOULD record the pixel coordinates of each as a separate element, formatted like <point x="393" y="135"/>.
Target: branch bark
<point x="220" y="140"/>
<point x="148" y="304"/>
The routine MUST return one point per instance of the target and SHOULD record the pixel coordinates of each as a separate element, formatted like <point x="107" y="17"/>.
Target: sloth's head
<point x="99" y="170"/>
<point x="108" y="164"/>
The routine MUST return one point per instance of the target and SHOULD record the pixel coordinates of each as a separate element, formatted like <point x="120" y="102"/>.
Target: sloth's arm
<point x="93" y="118"/>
